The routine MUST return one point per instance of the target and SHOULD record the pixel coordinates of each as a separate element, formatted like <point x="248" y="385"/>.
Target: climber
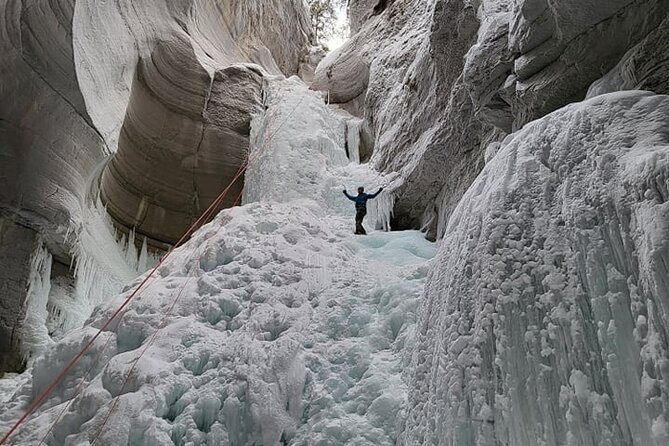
<point x="361" y="207"/>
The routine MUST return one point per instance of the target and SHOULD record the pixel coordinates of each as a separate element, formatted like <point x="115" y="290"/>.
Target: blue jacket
<point x="361" y="199"/>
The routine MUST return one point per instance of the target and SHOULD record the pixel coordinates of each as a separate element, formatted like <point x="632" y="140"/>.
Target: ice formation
<point x="546" y="320"/>
<point x="272" y="325"/>
<point x="102" y="262"/>
<point x="35" y="337"/>
<point x="541" y="321"/>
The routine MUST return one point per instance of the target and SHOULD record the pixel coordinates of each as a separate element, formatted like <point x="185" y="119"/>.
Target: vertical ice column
<point x="34" y="335"/>
<point x="380" y="210"/>
<point x="353" y="128"/>
<point x="17" y="246"/>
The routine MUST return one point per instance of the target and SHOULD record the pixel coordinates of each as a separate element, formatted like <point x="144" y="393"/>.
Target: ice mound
<point x="280" y="333"/>
<point x="546" y="319"/>
<point x="274" y="324"/>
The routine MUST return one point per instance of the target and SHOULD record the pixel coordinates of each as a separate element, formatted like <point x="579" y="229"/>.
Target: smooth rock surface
<point x="17" y="246"/>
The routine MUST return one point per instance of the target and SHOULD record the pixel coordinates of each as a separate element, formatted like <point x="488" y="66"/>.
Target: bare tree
<point x="324" y="17"/>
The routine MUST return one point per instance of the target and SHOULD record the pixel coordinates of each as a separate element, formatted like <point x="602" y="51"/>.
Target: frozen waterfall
<point x="274" y="324"/>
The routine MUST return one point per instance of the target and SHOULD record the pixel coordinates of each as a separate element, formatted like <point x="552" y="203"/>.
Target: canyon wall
<point x="545" y="315"/>
<point x="437" y="81"/>
<point x="145" y="106"/>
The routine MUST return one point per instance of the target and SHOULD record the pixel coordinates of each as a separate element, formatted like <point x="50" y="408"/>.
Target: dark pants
<point x="359" y="215"/>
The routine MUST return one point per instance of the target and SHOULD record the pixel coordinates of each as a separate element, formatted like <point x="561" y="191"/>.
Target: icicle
<point x="353" y="127"/>
<point x="34" y="336"/>
<point x="103" y="262"/>
<point x="380" y="210"/>
<point x="145" y="261"/>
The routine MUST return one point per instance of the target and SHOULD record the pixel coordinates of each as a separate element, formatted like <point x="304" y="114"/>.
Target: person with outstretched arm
<point x="361" y="207"/>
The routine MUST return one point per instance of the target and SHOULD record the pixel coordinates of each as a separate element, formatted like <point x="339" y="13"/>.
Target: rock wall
<point x="17" y="246"/>
<point x="644" y="67"/>
<point x="437" y="81"/>
<point x="148" y="101"/>
<point x="184" y="137"/>
<point x="545" y="316"/>
<point x="191" y="87"/>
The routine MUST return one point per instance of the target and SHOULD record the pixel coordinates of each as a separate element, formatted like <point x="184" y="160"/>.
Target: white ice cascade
<point x="546" y="319"/>
<point x="102" y="262"/>
<point x="353" y="129"/>
<point x="273" y="325"/>
<point x="35" y="337"/>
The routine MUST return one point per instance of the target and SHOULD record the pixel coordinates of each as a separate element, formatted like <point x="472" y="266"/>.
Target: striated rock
<point x="193" y="84"/>
<point x="49" y="148"/>
<point x="644" y="67"/>
<point x="64" y="137"/>
<point x="546" y="315"/>
<point x="17" y="246"/>
<point x="184" y="138"/>
<point x="164" y="89"/>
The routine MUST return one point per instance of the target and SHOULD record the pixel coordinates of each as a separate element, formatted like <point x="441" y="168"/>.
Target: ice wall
<point x="273" y="325"/>
<point x="545" y="317"/>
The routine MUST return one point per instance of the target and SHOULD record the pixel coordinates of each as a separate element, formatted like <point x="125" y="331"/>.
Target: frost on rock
<point x="545" y="318"/>
<point x="273" y="325"/>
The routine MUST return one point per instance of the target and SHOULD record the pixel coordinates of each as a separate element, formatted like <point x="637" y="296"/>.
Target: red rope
<point x="205" y="216"/>
<point x="162" y="325"/>
<point x="46" y="392"/>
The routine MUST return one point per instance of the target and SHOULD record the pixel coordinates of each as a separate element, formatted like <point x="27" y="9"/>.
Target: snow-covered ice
<point x="545" y="319"/>
<point x="274" y="324"/>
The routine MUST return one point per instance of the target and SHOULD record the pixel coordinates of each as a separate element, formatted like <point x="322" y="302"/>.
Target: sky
<point x="335" y="42"/>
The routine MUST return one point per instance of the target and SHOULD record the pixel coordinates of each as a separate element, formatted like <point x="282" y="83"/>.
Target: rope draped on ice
<point x="206" y="215"/>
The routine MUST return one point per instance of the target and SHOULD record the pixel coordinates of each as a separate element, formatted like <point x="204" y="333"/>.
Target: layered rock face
<point x="184" y="138"/>
<point x="185" y="131"/>
<point x="148" y="103"/>
<point x="437" y="81"/>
